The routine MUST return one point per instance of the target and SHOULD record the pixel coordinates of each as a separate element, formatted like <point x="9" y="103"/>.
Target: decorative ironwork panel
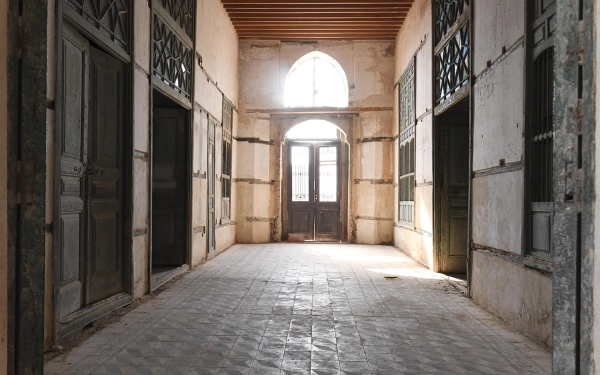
<point x="226" y="159"/>
<point x="541" y="128"/>
<point x="108" y="16"/>
<point x="182" y="12"/>
<point x="452" y="68"/>
<point x="172" y="59"/>
<point x="328" y="174"/>
<point x="406" y="105"/>
<point x="300" y="174"/>
<point x="447" y="14"/>
<point x="406" y="182"/>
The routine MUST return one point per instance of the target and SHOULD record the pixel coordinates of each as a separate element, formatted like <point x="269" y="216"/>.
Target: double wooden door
<point x="314" y="192"/>
<point x="90" y="186"/>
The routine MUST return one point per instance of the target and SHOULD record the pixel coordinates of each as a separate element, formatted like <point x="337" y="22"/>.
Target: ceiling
<point x="317" y="19"/>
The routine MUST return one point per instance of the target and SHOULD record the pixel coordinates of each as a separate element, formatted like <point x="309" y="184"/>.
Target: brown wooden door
<point x="90" y="243"/>
<point x="314" y="179"/>
<point x="169" y="191"/>
<point x="455" y="194"/>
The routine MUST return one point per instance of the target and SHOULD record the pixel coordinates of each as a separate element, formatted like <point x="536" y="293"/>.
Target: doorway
<point x="314" y="191"/>
<point x="452" y="188"/>
<point x="170" y="189"/>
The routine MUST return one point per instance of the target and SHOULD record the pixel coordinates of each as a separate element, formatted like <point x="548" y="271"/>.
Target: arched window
<point x="316" y="80"/>
<point x="314" y="129"/>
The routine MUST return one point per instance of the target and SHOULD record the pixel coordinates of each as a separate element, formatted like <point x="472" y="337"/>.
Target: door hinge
<point x="49" y="228"/>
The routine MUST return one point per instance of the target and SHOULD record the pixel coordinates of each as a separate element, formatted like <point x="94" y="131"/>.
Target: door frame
<point x="343" y="181"/>
<point x="189" y="128"/>
<point x="94" y="311"/>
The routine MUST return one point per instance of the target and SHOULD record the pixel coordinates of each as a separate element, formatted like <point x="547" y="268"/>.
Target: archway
<point x="316" y="80"/>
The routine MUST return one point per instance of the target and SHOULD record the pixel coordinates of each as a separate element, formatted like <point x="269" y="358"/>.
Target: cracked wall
<point x="499" y="283"/>
<point x="369" y="67"/>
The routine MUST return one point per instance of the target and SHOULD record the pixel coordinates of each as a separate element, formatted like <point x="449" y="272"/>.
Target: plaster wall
<point x="497" y="216"/>
<point x="415" y="41"/>
<point x="215" y="77"/>
<point x="264" y="65"/>
<point x="520" y="296"/>
<point x="3" y="187"/>
<point x="498" y="118"/>
<point x="141" y="146"/>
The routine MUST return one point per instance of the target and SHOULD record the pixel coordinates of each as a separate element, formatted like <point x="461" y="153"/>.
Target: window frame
<point x="226" y="160"/>
<point x="407" y="144"/>
<point x="537" y="50"/>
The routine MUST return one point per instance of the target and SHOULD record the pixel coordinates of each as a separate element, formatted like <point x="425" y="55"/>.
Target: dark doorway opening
<point x="451" y="183"/>
<point x="170" y="189"/>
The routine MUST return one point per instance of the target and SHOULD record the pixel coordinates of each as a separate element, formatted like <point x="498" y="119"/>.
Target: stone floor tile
<point x="305" y="309"/>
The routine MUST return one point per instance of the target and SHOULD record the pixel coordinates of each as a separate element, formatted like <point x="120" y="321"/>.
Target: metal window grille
<point x="227" y="159"/>
<point x="172" y="58"/>
<point x="108" y="17"/>
<point x="406" y="162"/>
<point x="452" y="47"/>
<point x="540" y="129"/>
<point x="182" y="12"/>
<point x="542" y="134"/>
<point x="447" y="14"/>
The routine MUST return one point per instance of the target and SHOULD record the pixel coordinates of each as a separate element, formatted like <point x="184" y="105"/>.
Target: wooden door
<point x="314" y="192"/>
<point x="169" y="190"/>
<point x="73" y="159"/>
<point x="328" y="223"/>
<point x="301" y="195"/>
<point x="454" y="194"/>
<point x="105" y="177"/>
<point x="211" y="187"/>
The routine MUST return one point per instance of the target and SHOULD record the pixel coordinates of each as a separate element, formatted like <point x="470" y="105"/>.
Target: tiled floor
<point x="307" y="309"/>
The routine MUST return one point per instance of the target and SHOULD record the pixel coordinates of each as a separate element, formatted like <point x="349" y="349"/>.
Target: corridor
<point x="307" y="309"/>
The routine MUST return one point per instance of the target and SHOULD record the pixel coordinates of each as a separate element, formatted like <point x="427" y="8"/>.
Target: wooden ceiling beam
<point x="251" y="6"/>
<point x="317" y="2"/>
<point x="321" y="17"/>
<point x="320" y="11"/>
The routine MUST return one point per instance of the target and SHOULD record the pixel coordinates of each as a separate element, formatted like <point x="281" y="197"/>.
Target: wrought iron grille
<point x="452" y="65"/>
<point x="328" y="176"/>
<point x="406" y="183"/>
<point x="300" y="174"/>
<point x="542" y="131"/>
<point x="227" y="159"/>
<point x="108" y="16"/>
<point x="447" y="14"/>
<point x="406" y="102"/>
<point x="407" y="118"/>
<point x="182" y="12"/>
<point x="172" y="59"/>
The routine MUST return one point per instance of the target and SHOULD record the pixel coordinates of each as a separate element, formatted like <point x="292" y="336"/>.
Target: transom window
<point x="316" y="80"/>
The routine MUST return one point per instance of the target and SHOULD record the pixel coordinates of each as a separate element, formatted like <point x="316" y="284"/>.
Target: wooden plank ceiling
<point x="317" y="19"/>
